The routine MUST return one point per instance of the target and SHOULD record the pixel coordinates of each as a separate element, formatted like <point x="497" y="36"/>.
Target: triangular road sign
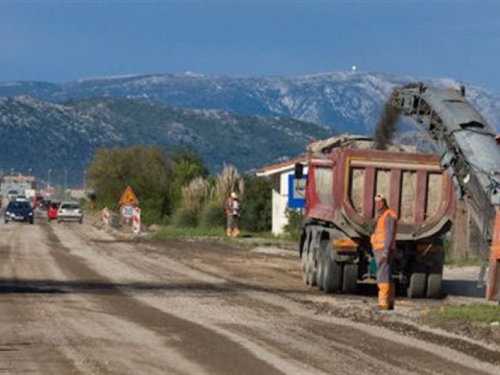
<point x="128" y="197"/>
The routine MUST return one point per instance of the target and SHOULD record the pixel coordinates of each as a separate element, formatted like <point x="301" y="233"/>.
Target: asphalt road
<point x="74" y="299"/>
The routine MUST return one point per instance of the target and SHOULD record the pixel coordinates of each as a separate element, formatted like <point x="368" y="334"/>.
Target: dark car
<point x="19" y="211"/>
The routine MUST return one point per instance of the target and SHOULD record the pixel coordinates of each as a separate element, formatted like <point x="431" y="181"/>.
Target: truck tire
<point x="332" y="275"/>
<point x="322" y="254"/>
<point x="350" y="278"/>
<point x="311" y="267"/>
<point x="434" y="281"/>
<point x="303" y="264"/>
<point x="416" y="288"/>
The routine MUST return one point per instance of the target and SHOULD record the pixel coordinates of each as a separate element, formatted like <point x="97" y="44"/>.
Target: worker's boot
<point x="383" y="296"/>
<point x="236" y="232"/>
<point x="229" y="232"/>
<point x="392" y="296"/>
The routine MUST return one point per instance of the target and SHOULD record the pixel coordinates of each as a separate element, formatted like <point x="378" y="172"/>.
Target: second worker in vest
<point x="383" y="242"/>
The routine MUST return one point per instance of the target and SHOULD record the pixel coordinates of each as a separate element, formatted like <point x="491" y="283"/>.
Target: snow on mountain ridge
<point x="343" y="99"/>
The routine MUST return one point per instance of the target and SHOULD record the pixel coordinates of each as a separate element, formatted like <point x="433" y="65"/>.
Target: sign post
<point x="128" y="203"/>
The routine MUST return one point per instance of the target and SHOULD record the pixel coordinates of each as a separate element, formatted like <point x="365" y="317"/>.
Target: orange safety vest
<point x="378" y="237"/>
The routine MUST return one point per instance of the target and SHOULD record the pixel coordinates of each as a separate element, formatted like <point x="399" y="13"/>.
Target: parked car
<point x="19" y="211"/>
<point x="70" y="211"/>
<point x="52" y="210"/>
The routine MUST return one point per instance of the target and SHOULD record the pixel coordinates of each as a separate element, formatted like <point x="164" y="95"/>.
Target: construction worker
<point x="233" y="210"/>
<point x="383" y="242"/>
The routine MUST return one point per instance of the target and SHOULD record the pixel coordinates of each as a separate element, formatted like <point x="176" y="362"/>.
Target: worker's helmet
<point x="234" y="195"/>
<point x="379" y="198"/>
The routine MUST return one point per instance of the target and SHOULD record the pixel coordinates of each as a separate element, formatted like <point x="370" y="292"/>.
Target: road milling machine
<point x="469" y="152"/>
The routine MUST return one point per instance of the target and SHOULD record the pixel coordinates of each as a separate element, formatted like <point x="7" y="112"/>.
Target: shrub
<point x="184" y="217"/>
<point x="256" y="215"/>
<point x="292" y="228"/>
<point x="212" y="216"/>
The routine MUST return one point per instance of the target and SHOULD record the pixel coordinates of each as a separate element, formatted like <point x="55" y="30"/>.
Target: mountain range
<point x="248" y="122"/>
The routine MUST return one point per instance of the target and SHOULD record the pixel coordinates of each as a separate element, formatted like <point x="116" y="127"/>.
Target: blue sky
<point x="60" y="41"/>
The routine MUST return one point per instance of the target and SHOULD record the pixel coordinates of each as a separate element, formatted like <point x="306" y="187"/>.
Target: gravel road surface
<point x="76" y="299"/>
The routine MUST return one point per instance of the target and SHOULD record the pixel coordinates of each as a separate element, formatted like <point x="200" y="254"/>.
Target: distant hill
<point x="40" y="136"/>
<point x="347" y="101"/>
<point x="249" y="122"/>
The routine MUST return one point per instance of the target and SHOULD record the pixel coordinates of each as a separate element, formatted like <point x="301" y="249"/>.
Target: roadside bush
<point x="257" y="210"/>
<point x="292" y="228"/>
<point x="212" y="216"/>
<point x="185" y="217"/>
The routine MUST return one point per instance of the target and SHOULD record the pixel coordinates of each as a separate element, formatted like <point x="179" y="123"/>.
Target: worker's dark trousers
<point x="386" y="287"/>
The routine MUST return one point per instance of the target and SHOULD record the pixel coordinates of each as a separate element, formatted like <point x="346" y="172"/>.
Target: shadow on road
<point x="9" y="286"/>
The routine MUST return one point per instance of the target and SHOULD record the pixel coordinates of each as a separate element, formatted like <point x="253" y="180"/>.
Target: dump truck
<point x="343" y="177"/>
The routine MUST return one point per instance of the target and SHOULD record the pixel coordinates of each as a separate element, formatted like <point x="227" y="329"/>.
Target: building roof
<point x="280" y="167"/>
<point x="18" y="178"/>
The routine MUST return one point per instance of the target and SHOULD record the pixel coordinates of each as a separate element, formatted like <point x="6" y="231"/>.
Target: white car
<point x="70" y="211"/>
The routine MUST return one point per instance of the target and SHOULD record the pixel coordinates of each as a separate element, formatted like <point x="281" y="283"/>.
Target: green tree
<point x="257" y="204"/>
<point x="145" y="168"/>
<point x="187" y="165"/>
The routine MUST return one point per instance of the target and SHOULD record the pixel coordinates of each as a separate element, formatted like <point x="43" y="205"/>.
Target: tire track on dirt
<point x="243" y="294"/>
<point x="194" y="341"/>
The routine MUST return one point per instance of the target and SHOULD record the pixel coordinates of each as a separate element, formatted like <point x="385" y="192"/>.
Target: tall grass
<point x="228" y="181"/>
<point x="202" y="202"/>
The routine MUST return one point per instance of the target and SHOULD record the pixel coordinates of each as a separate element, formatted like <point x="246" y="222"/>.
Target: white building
<point x="286" y="192"/>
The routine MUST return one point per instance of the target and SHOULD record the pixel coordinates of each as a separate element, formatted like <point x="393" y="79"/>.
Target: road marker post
<point x="105" y="216"/>
<point x="136" y="220"/>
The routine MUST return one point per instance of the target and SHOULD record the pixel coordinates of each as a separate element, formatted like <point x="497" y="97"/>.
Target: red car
<point x="52" y="211"/>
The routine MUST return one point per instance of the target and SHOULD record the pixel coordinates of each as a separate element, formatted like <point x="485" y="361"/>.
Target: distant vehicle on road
<point x="70" y="211"/>
<point x="45" y="204"/>
<point x="52" y="210"/>
<point x="37" y="201"/>
<point x="21" y="198"/>
<point x="19" y="211"/>
<point x="12" y="194"/>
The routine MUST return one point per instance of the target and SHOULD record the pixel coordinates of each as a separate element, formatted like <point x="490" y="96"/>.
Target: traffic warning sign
<point x="128" y="197"/>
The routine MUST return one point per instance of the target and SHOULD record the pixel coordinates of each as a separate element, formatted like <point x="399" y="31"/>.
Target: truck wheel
<point x="311" y="274"/>
<point x="434" y="285"/>
<point x="416" y="289"/>
<point x="320" y="270"/>
<point x="332" y="275"/>
<point x="303" y="264"/>
<point x="350" y="278"/>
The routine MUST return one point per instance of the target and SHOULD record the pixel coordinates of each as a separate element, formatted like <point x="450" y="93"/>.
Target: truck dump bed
<point x="342" y="185"/>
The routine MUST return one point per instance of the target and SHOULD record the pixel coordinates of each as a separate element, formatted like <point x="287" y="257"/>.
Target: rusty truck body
<point x="334" y="246"/>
